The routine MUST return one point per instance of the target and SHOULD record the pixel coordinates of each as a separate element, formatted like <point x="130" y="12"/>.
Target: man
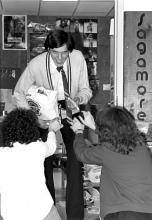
<point x="42" y="71"/>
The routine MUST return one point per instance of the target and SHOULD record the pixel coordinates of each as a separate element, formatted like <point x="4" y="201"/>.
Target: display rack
<point x="92" y="175"/>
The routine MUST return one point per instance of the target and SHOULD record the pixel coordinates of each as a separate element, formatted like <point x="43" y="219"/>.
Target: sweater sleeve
<point x="23" y="84"/>
<point x="84" y="91"/>
<point x="91" y="154"/>
<point x="51" y="144"/>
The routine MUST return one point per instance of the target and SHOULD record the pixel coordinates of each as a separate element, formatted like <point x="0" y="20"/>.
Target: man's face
<point x="59" y="55"/>
<point x="47" y="123"/>
<point x="54" y="124"/>
<point x="44" y="123"/>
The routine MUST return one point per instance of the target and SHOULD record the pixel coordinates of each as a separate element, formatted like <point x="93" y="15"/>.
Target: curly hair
<point x="116" y="125"/>
<point x="20" y="125"/>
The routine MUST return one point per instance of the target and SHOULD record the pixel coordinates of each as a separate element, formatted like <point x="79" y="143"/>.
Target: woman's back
<point x="126" y="182"/>
<point x="24" y="194"/>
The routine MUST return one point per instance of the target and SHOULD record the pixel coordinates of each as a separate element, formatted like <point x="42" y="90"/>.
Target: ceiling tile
<point x="58" y="8"/>
<point x="20" y="6"/>
<point x="31" y="7"/>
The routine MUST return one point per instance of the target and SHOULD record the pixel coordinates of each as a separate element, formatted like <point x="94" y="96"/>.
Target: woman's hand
<point x="52" y="125"/>
<point x="88" y="120"/>
<point x="77" y="126"/>
<point x="55" y="125"/>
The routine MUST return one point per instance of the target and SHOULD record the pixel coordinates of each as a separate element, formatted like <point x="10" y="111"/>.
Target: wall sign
<point x="138" y="68"/>
<point x="138" y="64"/>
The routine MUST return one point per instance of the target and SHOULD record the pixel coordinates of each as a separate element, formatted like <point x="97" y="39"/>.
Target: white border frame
<point x="119" y="47"/>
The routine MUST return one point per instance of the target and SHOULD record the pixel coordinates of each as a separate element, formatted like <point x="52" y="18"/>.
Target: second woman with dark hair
<point x="126" y="176"/>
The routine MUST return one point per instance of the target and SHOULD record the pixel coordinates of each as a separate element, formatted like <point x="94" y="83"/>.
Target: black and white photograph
<point x="75" y="110"/>
<point x="90" y="40"/>
<point x="14" y="32"/>
<point x="90" y="26"/>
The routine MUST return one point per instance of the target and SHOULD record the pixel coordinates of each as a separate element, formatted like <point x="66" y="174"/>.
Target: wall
<point x="12" y="63"/>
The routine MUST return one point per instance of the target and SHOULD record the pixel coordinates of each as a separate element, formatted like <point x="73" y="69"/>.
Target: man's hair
<point x="58" y="38"/>
<point x="117" y="126"/>
<point x="20" y="125"/>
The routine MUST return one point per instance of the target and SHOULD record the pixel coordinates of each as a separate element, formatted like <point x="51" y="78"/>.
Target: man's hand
<point x="72" y="104"/>
<point x="78" y="100"/>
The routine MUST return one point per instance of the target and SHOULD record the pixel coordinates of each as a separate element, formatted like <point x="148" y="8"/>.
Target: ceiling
<point x="67" y="8"/>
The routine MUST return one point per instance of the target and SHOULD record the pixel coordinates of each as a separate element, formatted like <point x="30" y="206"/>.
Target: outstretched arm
<point x="51" y="142"/>
<point x="84" y="92"/>
<point x="25" y="81"/>
<point x="88" y="154"/>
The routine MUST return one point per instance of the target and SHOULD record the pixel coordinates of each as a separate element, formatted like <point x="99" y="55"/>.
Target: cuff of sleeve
<point x="51" y="142"/>
<point x="79" y="132"/>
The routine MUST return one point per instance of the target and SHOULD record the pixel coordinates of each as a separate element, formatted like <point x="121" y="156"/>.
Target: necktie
<point x="66" y="89"/>
<point x="64" y="78"/>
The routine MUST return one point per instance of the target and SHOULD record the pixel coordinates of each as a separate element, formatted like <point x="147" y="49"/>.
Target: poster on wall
<point x="77" y="26"/>
<point x="90" y="26"/>
<point x="14" y="32"/>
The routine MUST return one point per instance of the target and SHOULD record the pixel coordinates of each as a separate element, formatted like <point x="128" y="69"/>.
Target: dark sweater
<point x="126" y="180"/>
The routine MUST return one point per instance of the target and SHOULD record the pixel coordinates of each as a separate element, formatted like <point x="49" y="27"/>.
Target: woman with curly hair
<point x="24" y="195"/>
<point x="126" y="176"/>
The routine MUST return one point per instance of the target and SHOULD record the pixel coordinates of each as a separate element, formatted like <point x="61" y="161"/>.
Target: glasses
<point x="57" y="53"/>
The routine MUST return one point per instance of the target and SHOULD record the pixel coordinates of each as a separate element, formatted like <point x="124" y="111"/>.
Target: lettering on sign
<point x="141" y="74"/>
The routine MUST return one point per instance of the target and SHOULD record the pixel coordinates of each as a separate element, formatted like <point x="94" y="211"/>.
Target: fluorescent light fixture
<point x="59" y="0"/>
